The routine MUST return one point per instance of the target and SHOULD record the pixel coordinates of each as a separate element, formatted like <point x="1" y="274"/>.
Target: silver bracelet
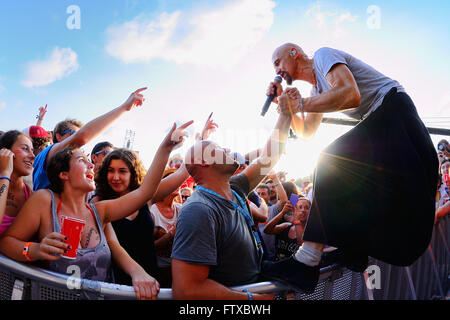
<point x="300" y="108"/>
<point x="300" y="105"/>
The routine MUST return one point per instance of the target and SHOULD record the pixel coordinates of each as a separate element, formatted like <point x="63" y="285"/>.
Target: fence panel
<point x="427" y="278"/>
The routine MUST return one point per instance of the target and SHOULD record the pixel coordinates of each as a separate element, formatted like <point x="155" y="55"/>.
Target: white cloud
<point x="61" y="63"/>
<point x="141" y="39"/>
<point x="217" y="37"/>
<point x="2" y="105"/>
<point x="330" y="19"/>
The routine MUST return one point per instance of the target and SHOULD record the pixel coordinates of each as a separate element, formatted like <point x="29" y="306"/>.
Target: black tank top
<point x="136" y="237"/>
<point x="285" y="247"/>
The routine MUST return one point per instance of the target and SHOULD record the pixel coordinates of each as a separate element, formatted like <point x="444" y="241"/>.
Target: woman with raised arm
<point x="35" y="234"/>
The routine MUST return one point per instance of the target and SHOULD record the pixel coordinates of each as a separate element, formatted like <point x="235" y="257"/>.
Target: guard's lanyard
<point x="242" y="209"/>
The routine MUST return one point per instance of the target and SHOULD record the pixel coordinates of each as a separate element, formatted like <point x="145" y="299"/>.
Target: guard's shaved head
<point x="207" y="156"/>
<point x="194" y="156"/>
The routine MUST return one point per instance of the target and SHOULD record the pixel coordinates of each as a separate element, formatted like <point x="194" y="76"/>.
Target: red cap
<point x="36" y="132"/>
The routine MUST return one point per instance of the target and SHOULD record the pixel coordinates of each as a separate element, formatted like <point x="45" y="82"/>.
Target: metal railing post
<point x="410" y="283"/>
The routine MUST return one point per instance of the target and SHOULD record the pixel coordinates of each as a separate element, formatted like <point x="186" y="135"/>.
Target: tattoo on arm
<point x="2" y="189"/>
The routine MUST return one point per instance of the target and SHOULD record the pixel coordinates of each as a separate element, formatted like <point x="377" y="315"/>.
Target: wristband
<point x="250" y="295"/>
<point x="300" y="107"/>
<point x="6" y="178"/>
<point x="26" y="251"/>
<point x="298" y="223"/>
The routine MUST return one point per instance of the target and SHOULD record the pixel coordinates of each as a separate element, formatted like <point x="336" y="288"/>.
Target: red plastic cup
<point x="72" y="229"/>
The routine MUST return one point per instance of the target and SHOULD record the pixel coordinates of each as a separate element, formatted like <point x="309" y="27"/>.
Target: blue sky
<point x="202" y="56"/>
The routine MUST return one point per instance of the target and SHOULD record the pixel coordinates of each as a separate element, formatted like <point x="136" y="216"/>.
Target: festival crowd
<point x="161" y="227"/>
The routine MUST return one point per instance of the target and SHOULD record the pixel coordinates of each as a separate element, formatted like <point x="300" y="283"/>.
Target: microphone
<point x="270" y="98"/>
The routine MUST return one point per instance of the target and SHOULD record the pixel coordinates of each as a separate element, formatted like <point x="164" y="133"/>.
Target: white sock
<point x="308" y="255"/>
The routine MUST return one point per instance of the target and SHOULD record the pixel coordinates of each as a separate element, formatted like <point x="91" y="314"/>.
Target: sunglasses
<point x="106" y="152"/>
<point x="68" y="130"/>
<point x="184" y="197"/>
<point x="443" y="147"/>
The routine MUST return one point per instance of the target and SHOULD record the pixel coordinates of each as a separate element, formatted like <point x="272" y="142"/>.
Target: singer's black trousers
<point x="375" y="186"/>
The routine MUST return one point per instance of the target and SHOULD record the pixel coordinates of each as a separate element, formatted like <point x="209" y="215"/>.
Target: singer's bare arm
<point x="343" y="95"/>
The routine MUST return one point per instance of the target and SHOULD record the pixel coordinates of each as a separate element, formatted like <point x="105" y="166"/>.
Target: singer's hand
<point x="270" y="90"/>
<point x="286" y="105"/>
<point x="295" y="96"/>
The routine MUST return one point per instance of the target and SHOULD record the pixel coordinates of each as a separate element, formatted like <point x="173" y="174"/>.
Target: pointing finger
<point x="187" y="124"/>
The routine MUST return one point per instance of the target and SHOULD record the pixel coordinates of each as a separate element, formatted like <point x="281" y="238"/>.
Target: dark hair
<point x="290" y="188"/>
<point x="65" y="125"/>
<point x="60" y="162"/>
<point x="264" y="186"/>
<point x="101" y="145"/>
<point x="38" y="143"/>
<point x="8" y="138"/>
<point x="134" y="164"/>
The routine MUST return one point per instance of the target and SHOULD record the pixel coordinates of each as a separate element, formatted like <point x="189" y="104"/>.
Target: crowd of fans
<point x="131" y="214"/>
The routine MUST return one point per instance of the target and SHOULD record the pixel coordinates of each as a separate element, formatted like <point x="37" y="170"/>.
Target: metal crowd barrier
<point x="426" y="279"/>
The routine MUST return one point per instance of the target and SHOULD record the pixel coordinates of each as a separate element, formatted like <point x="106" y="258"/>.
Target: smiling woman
<point x="71" y="178"/>
<point x="16" y="161"/>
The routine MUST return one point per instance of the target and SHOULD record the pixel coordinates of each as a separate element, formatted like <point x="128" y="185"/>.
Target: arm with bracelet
<point x="282" y="196"/>
<point x="6" y="169"/>
<point x="273" y="226"/>
<point x="40" y="116"/>
<point x="33" y="221"/>
<point x="305" y="126"/>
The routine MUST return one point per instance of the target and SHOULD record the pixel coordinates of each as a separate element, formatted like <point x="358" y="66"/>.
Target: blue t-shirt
<point x="372" y="85"/>
<point x="40" y="179"/>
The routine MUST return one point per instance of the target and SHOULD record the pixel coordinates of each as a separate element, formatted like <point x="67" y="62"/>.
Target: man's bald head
<point x="206" y="154"/>
<point x="194" y="156"/>
<point x="285" y="50"/>
<point x="287" y="60"/>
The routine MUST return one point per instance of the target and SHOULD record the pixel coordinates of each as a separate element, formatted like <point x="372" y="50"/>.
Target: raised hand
<point x="209" y="128"/>
<point x="135" y="99"/>
<point x="274" y="176"/>
<point x="42" y="112"/>
<point x="270" y="90"/>
<point x="175" y="138"/>
<point x="6" y="162"/>
<point x="287" y="207"/>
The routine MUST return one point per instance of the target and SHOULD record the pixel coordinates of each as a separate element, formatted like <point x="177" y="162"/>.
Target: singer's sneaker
<point x="292" y="273"/>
